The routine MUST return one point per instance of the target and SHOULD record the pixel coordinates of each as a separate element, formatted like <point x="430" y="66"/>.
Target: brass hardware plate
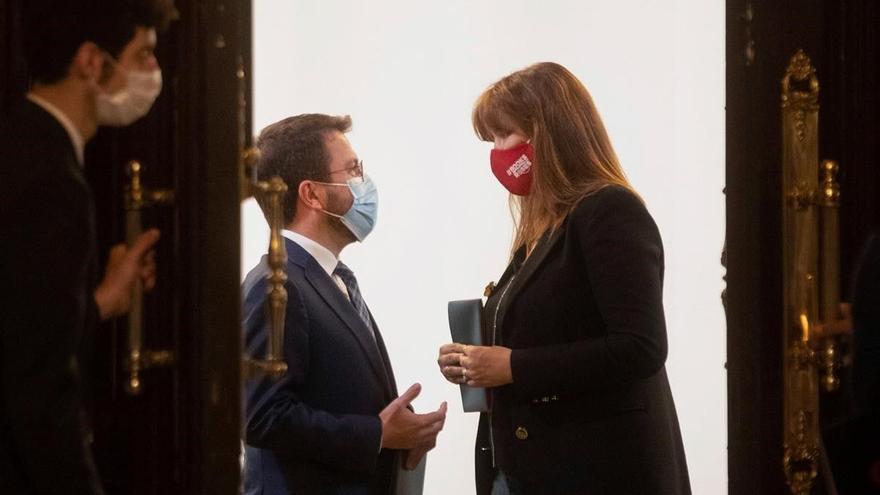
<point x="800" y="151"/>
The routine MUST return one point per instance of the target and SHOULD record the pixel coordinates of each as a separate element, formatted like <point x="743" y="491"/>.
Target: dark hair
<point x="54" y="30"/>
<point x="294" y="150"/>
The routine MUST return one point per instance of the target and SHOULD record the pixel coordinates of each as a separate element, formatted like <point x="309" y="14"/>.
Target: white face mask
<point x="131" y="102"/>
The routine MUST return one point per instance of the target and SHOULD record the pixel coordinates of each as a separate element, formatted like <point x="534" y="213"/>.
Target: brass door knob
<point x="522" y="433"/>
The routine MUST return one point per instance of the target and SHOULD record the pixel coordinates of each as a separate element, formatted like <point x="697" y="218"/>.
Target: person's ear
<point x="88" y="63"/>
<point x="311" y="195"/>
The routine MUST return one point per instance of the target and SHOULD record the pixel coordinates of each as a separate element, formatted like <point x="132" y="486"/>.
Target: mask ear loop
<point x="327" y="212"/>
<point x="330" y="213"/>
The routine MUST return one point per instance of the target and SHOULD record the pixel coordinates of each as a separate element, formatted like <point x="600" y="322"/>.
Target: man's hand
<point x="125" y="266"/>
<point x="843" y="326"/>
<point x="414" y="457"/>
<point x="403" y="429"/>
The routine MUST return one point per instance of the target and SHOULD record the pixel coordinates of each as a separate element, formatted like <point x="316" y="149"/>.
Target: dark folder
<point x="465" y="324"/>
<point x="411" y="482"/>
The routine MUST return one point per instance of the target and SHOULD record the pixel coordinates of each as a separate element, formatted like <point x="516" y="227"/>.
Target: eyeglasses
<point x="355" y="171"/>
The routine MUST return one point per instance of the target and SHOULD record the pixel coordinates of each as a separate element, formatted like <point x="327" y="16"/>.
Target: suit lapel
<point x="527" y="270"/>
<point x="336" y="300"/>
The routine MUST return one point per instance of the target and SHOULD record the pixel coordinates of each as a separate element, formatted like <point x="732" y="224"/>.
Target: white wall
<point x="409" y="72"/>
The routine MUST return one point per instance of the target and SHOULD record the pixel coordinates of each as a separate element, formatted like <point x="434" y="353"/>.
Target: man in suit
<point x="86" y="59"/>
<point x="333" y="423"/>
<point x="853" y="445"/>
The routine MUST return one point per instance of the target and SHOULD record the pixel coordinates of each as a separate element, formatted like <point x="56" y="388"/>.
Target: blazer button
<point x="522" y="433"/>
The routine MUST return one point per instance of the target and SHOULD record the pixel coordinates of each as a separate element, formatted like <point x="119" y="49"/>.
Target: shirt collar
<point x="76" y="138"/>
<point x="322" y="255"/>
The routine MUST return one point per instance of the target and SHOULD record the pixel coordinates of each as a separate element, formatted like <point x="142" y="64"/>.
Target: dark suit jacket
<point x="853" y="445"/>
<point x="317" y="430"/>
<point x="589" y="409"/>
<point x="47" y="312"/>
<point x="866" y="328"/>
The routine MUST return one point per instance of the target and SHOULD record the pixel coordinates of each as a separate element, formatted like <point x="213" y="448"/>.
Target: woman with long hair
<point x="574" y="361"/>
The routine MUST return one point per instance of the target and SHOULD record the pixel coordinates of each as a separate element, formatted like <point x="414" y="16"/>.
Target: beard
<point x="339" y="202"/>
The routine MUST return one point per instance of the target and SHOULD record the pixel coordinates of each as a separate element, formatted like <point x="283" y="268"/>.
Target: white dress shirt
<point x="76" y="138"/>
<point x="322" y="255"/>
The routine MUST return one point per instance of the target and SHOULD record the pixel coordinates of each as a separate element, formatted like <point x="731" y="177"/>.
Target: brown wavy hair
<point x="573" y="154"/>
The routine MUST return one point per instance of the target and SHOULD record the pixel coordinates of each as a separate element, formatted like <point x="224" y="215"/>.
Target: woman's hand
<point x="475" y="366"/>
<point x="450" y="363"/>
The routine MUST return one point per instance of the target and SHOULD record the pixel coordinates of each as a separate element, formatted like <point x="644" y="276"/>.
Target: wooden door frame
<point x="761" y="37"/>
<point x="218" y="32"/>
<point x="757" y="47"/>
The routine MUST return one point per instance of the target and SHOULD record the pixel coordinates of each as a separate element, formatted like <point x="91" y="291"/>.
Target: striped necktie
<point x="354" y="294"/>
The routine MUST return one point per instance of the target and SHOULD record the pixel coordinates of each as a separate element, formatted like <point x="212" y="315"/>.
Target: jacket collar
<point x="330" y="293"/>
<point x="48" y="125"/>
<point x="526" y="269"/>
<point x="76" y="137"/>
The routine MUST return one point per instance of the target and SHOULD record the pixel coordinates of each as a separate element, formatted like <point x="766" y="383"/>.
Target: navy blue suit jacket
<point x="317" y="429"/>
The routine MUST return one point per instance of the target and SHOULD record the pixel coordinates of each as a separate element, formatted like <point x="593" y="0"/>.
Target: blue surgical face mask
<point x="361" y="217"/>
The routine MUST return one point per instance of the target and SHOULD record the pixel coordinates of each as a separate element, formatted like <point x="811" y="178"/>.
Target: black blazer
<point x="589" y="409"/>
<point x="47" y="311"/>
<point x="317" y="430"/>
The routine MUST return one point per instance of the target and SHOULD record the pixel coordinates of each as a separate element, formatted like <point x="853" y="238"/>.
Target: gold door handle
<point x="829" y="202"/>
<point x="138" y="359"/>
<point x="811" y="272"/>
<point x="273" y="365"/>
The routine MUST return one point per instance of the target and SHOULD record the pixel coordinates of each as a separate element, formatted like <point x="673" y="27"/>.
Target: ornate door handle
<point x="829" y="202"/>
<point x="139" y="359"/>
<point x="273" y="365"/>
<point x="811" y="272"/>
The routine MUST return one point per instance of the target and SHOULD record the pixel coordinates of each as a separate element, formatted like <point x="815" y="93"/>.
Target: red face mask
<point x="513" y="168"/>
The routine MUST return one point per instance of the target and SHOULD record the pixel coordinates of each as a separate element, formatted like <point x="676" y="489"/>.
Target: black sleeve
<point x="623" y="256"/>
<point x="866" y="328"/>
<point x="47" y="245"/>
<point x="277" y="417"/>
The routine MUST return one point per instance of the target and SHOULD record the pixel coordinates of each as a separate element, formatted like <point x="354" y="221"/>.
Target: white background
<point x="409" y="72"/>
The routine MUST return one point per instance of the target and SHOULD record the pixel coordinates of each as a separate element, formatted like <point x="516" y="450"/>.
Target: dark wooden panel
<point x="857" y="127"/>
<point x="841" y="38"/>
<point x="761" y="36"/>
<point x="850" y="123"/>
<point x="142" y="442"/>
<point x="217" y="319"/>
